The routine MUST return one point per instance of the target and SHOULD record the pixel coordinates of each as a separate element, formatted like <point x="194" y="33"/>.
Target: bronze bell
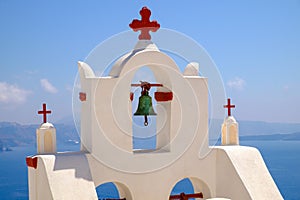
<point x="145" y="104"/>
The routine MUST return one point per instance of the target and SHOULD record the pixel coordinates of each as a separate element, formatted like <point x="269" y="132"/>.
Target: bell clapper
<point x="146" y="120"/>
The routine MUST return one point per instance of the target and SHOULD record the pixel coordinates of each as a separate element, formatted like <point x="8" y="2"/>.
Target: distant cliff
<point x="257" y="127"/>
<point x="285" y="137"/>
<point x="14" y="134"/>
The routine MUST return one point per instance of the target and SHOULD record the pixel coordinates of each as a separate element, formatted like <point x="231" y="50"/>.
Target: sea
<point x="281" y="157"/>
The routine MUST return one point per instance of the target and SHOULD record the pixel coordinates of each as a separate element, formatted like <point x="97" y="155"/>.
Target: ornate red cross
<point x="44" y="112"/>
<point x="144" y="25"/>
<point x="229" y="106"/>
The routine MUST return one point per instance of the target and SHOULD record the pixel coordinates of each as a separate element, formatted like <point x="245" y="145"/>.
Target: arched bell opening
<point x="190" y="188"/>
<point x="143" y="111"/>
<point x="113" y="190"/>
<point x="156" y="136"/>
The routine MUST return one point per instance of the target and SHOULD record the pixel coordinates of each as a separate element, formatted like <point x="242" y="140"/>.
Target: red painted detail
<point x="163" y="96"/>
<point x="44" y="112"/>
<point x="82" y="96"/>
<point x="32" y="162"/>
<point x="131" y="96"/>
<point x="116" y="199"/>
<point x="229" y="106"/>
<point x="144" y="25"/>
<point x="183" y="196"/>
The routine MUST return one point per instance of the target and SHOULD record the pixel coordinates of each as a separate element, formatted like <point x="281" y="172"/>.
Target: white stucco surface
<point x="62" y="176"/>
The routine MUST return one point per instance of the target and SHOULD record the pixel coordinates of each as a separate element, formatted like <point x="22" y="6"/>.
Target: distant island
<point x="4" y="148"/>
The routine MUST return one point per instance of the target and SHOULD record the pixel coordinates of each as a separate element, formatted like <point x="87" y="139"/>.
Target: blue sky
<point x="255" y="45"/>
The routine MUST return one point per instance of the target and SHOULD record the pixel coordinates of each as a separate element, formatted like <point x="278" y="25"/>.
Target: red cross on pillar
<point x="229" y="106"/>
<point x="44" y="112"/>
<point x="144" y="25"/>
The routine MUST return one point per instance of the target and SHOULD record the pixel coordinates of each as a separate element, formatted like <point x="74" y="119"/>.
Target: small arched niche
<point x="48" y="142"/>
<point x="190" y="186"/>
<point x="113" y="190"/>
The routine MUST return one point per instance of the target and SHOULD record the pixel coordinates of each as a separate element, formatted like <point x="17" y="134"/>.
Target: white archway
<point x="113" y="190"/>
<point x="191" y="185"/>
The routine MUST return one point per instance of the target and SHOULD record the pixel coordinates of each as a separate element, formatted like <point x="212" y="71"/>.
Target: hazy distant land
<point x="14" y="134"/>
<point x="285" y="137"/>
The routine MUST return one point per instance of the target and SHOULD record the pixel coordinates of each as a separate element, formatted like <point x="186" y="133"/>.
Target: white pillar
<point x="230" y="131"/>
<point x="46" y="138"/>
